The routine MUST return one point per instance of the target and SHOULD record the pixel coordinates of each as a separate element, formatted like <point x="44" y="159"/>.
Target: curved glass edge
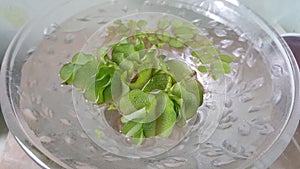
<point x="9" y="111"/>
<point x="267" y="159"/>
<point x="283" y="139"/>
<point x="35" y="152"/>
<point x="290" y="129"/>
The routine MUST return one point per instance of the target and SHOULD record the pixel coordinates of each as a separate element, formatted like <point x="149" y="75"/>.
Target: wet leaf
<point x="159" y="82"/>
<point x="141" y="23"/>
<point x="207" y="59"/>
<point x="176" y="43"/>
<point x="118" y="22"/>
<point x="67" y="73"/>
<point x="143" y="77"/>
<point x="149" y="129"/>
<point x="138" y="137"/>
<point x="184" y="32"/>
<point x="226" y="58"/>
<point x="163" y="36"/>
<point x="167" y="120"/>
<point x="163" y="23"/>
<point x="132" y="24"/>
<point x="81" y="58"/>
<point x="179" y="70"/>
<point x="84" y="73"/>
<point x="202" y="69"/>
<point x="176" y="23"/>
<point x="221" y="67"/>
<point x="118" y="57"/>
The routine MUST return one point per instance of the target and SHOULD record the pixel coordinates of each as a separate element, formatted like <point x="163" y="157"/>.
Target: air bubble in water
<point x="46" y="139"/>
<point x="125" y="9"/>
<point x="50" y="30"/>
<point x="69" y="38"/>
<point x="226" y="43"/>
<point x="29" y="114"/>
<point x="238" y="52"/>
<point x="220" y="32"/>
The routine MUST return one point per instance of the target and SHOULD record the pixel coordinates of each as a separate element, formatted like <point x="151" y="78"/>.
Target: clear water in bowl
<point x="94" y="118"/>
<point x="238" y="119"/>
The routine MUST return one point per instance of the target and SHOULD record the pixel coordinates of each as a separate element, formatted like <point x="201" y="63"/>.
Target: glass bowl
<point x="247" y="119"/>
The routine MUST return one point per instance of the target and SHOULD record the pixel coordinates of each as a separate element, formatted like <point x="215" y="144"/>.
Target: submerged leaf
<point x="176" y="23"/>
<point x="158" y="82"/>
<point x="141" y="23"/>
<point x="221" y="67"/>
<point x="176" y="43"/>
<point x="163" y="23"/>
<point x="179" y="70"/>
<point x="142" y="78"/>
<point x="167" y="120"/>
<point x="202" y="69"/>
<point x="226" y="58"/>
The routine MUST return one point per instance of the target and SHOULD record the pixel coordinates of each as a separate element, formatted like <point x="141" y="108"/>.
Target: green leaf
<point x="126" y="65"/>
<point x="134" y="100"/>
<point x="176" y="23"/>
<point x="95" y="90"/>
<point x="184" y="32"/>
<point x="132" y="24"/>
<point x="215" y="76"/>
<point x="141" y="23"/>
<point x="139" y="116"/>
<point x="84" y="73"/>
<point x="152" y="39"/>
<point x="92" y="91"/>
<point x="149" y="129"/>
<point x="190" y="103"/>
<point x="142" y="78"/>
<point x="207" y="59"/>
<point x="163" y="36"/>
<point x="81" y="58"/>
<point x="101" y="54"/>
<point x="98" y="133"/>
<point x="176" y="43"/>
<point x="126" y="48"/>
<point x="118" y="85"/>
<point x="221" y="67"/>
<point x="138" y="137"/>
<point x="196" y="88"/>
<point x="107" y="95"/>
<point x="67" y="73"/>
<point x="139" y="45"/>
<point x="191" y="93"/>
<point x="112" y="107"/>
<point x="118" y="22"/>
<point x="212" y="51"/>
<point x="202" y="69"/>
<point x="197" y="53"/>
<point x="179" y="70"/>
<point x="118" y="57"/>
<point x="226" y="58"/>
<point x="132" y="129"/>
<point x="198" y="38"/>
<point x="138" y="98"/>
<point x="123" y="30"/>
<point x="105" y="71"/>
<point x="167" y="120"/>
<point x="163" y="23"/>
<point x="158" y="82"/>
